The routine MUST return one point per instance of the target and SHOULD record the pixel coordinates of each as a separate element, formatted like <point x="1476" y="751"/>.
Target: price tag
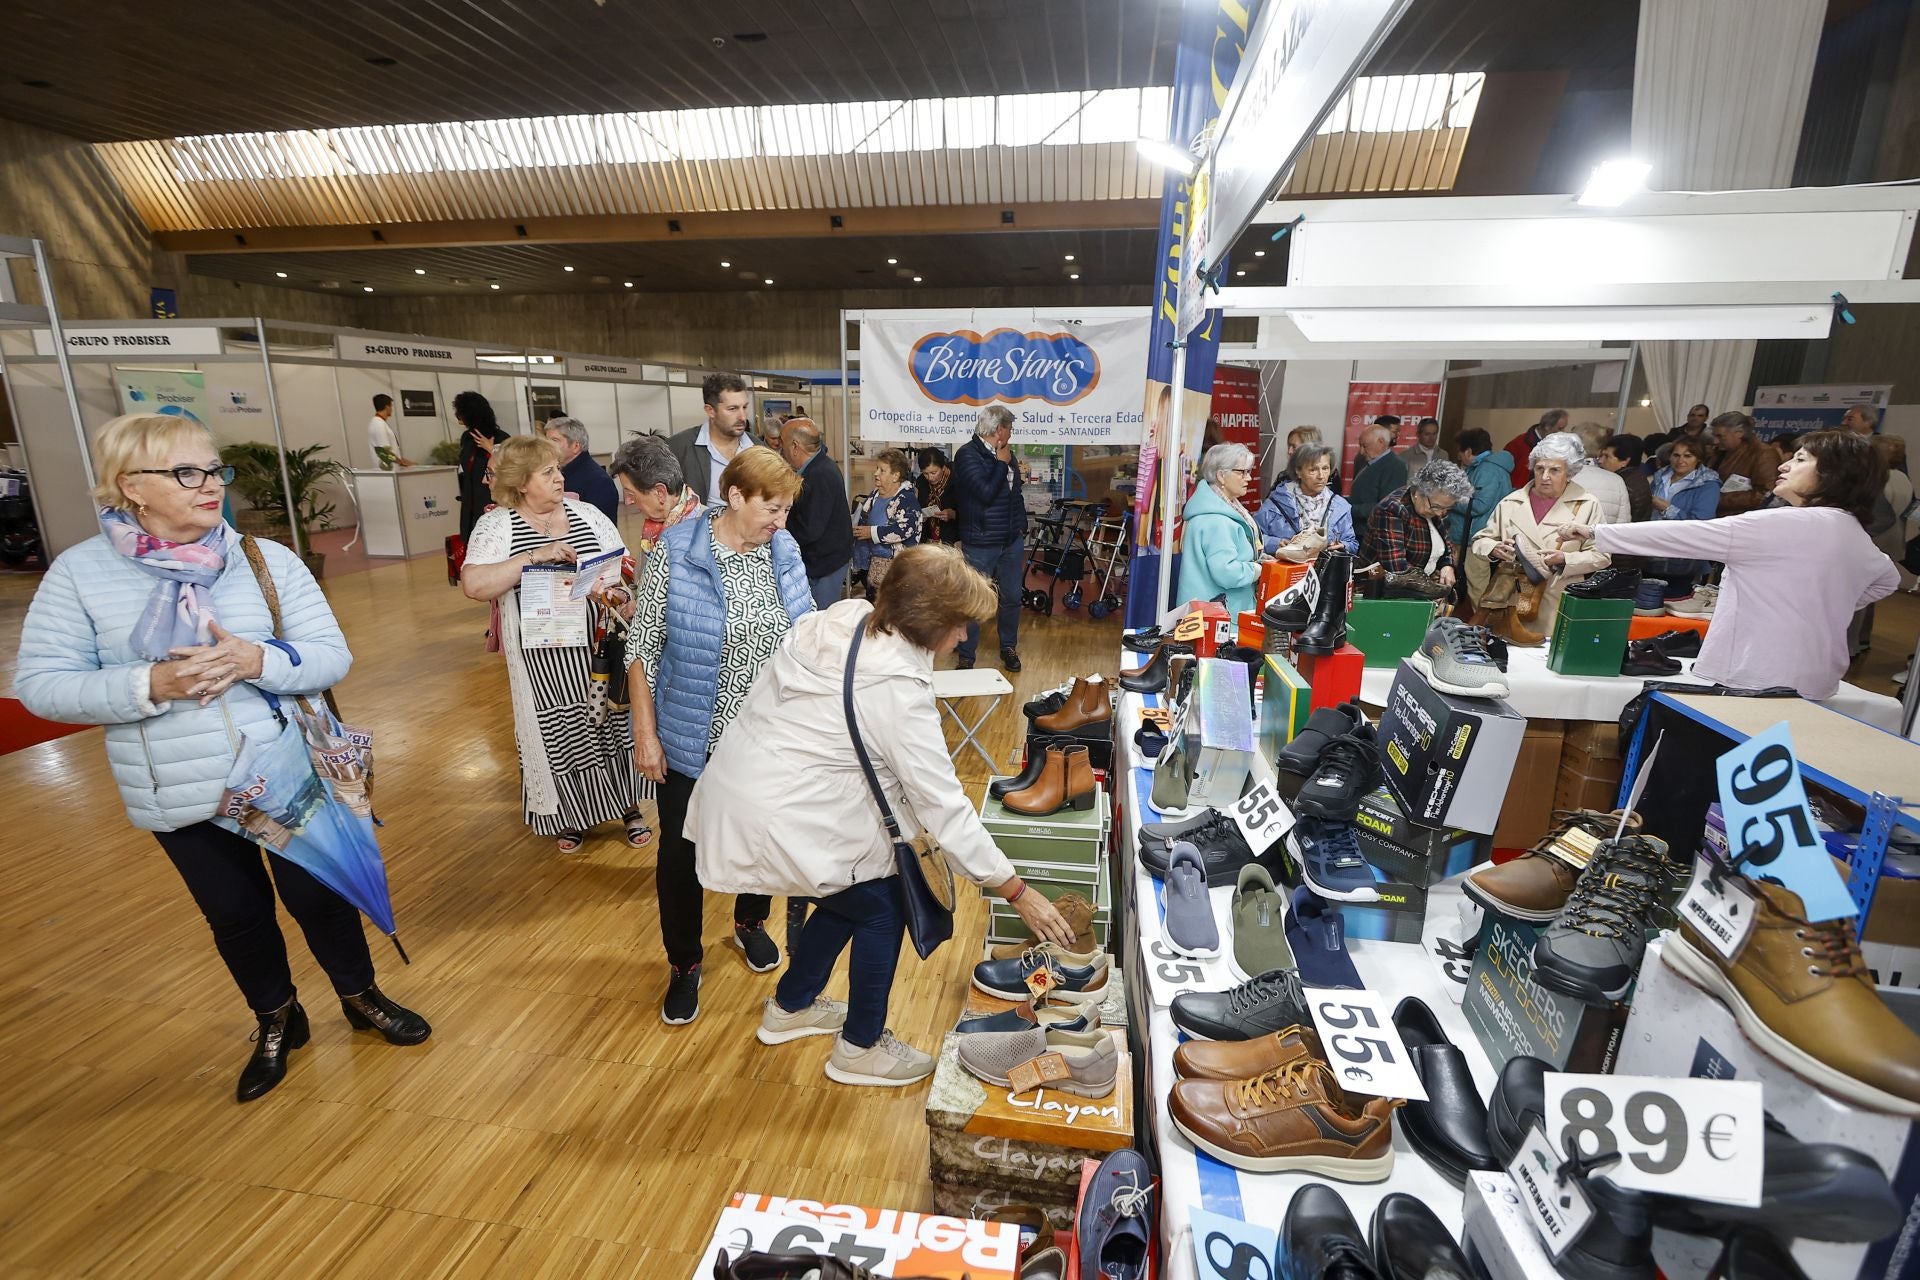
<point x="1362" y="1045"/>
<point x="1722" y="914"/>
<point x="1169" y="973"/>
<point x="1229" y="1249"/>
<point x="1036" y="1072"/>
<point x="1260" y="813"/>
<point x="1764" y="803"/>
<point x="1699" y="1138"/>
<point x="1559" y="1210"/>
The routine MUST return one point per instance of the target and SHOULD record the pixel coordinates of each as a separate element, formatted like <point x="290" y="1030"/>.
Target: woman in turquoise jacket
<point x="1220" y="547"/>
<point x="158" y="629"/>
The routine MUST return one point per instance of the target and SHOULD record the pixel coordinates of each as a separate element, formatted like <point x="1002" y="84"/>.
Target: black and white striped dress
<point x="590" y="767"/>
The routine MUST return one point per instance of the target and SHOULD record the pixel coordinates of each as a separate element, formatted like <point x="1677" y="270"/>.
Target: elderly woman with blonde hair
<point x="160" y="629"/>
<point x="576" y="770"/>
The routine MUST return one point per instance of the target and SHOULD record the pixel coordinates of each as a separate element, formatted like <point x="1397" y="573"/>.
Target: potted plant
<point x="445" y="454"/>
<point x="256" y="476"/>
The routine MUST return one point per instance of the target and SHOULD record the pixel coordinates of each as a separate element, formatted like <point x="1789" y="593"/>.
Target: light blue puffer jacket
<point x="170" y="760"/>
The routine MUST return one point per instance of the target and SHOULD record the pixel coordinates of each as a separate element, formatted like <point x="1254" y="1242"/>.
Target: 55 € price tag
<point x="1260" y="813"/>
<point x="1699" y="1138"/>
<point x="1363" y="1047"/>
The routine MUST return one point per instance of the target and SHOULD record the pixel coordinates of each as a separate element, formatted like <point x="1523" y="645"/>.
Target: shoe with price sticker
<point x="1075" y="977"/>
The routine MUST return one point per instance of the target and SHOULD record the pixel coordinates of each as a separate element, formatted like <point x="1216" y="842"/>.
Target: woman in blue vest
<point x="719" y="593"/>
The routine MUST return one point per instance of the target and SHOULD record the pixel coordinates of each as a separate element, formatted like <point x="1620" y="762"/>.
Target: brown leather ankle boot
<point x="1067" y="780"/>
<point x="1505" y="625"/>
<point x="1087" y="704"/>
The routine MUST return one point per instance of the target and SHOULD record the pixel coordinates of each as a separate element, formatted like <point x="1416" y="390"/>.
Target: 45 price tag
<point x="1260" y="813"/>
<point x="1362" y="1045"/>
<point x="1768" y="822"/>
<point x="1698" y="1138"/>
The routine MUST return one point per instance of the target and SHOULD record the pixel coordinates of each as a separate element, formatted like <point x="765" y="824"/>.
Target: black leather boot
<point x="1327" y="629"/>
<point x="1036" y="761"/>
<point x="372" y="1011"/>
<point x="280" y="1033"/>
<point x="1291" y="610"/>
<point x="1152" y="678"/>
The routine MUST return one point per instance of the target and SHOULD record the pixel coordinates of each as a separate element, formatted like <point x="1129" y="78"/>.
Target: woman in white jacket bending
<point x="783" y="806"/>
<point x="158" y="629"/>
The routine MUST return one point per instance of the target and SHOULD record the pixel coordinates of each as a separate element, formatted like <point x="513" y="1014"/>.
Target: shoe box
<point x="1275" y="577"/>
<point x="1676" y="1029"/>
<point x="932" y="1244"/>
<point x="1333" y="677"/>
<point x="1069" y="838"/>
<point x="1386" y="631"/>
<point x="1590" y="767"/>
<point x="1219" y="724"/>
<point x="1216" y="628"/>
<point x="1448" y="759"/>
<point x="1286" y="700"/>
<point x="1407" y="859"/>
<point x="1589" y="636"/>
<point x="983" y="1141"/>
<point x="1513" y="1016"/>
<point x="1527" y="812"/>
<point x="1499" y="1238"/>
<point x="1005" y="925"/>
<point x="1096" y="738"/>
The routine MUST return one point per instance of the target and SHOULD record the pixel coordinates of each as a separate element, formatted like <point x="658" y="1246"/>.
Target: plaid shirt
<point x="1401" y="539"/>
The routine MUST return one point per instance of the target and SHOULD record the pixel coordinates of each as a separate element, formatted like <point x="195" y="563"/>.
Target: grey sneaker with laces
<point x="1592" y="950"/>
<point x="888" y="1062"/>
<point x="1454" y="659"/>
<point x="1090" y="1060"/>
<point x="823" y="1017"/>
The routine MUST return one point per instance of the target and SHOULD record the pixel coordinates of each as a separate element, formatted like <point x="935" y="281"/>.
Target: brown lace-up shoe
<point x="1535" y="885"/>
<point x="1244" y="1059"/>
<point x="1291" y="1118"/>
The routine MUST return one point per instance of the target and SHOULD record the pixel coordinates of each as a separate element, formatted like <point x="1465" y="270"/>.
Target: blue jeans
<point x="870" y="916"/>
<point x="1006" y="567"/>
<point x="828" y="589"/>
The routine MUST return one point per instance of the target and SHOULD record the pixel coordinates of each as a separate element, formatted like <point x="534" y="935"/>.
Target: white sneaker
<point x="823" y="1017"/>
<point x="888" y="1062"/>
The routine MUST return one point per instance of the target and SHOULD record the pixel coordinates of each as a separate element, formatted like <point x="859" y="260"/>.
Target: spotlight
<point x="419" y="271"/>
<point x="1614" y="182"/>
<point x="281" y="274"/>
<point x="566" y="268"/>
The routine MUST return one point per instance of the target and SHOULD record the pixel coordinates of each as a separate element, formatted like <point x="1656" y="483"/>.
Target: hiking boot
<point x="1330" y="860"/>
<point x="1349" y="768"/>
<point x="1219" y="843"/>
<point x="1607" y="584"/>
<point x="823" y="1017"/>
<point x="1077" y="912"/>
<point x="1802" y="993"/>
<point x="1535" y="885"/>
<point x="1259" y="924"/>
<point x="1454" y="660"/>
<point x="1077" y="977"/>
<point x="1413" y="584"/>
<point x="888" y="1062"/>
<point x="1292" y="1118"/>
<point x="1272" y="1001"/>
<point x="1085" y="1063"/>
<point x="1243" y="1059"/>
<point x="1592" y="949"/>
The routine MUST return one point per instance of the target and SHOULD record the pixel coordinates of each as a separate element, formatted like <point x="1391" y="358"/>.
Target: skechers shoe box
<point x="1448" y="759"/>
<point x="1676" y="1029"/>
<point x="1513" y="1016"/>
<point x="1406" y="859"/>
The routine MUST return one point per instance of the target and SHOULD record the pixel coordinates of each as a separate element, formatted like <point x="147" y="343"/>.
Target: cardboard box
<point x="1386" y="631"/>
<point x="1676" y="1029"/>
<point x="1251" y="631"/>
<point x="1215" y="629"/>
<point x="1334" y="677"/>
<point x="1220" y="718"/>
<point x="1513" y="1016"/>
<point x="1285" y="702"/>
<point x="1527" y="812"/>
<point x="908" y="1242"/>
<point x="1070" y="838"/>
<point x="1591" y="740"/>
<point x="1407" y="859"/>
<point x="1448" y="758"/>
<point x="1276" y="576"/>
<point x="1589" y="636"/>
<point x="1598" y="790"/>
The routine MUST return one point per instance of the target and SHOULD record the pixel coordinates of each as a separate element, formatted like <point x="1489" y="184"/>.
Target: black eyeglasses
<point x="190" y="477"/>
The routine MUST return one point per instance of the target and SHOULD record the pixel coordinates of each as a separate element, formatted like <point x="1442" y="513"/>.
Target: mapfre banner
<point x="1066" y="382"/>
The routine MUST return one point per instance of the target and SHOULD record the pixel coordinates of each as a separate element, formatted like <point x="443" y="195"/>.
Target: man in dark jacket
<point x="705" y="450"/>
<point x="821" y="521"/>
<point x="584" y="478"/>
<point x="990" y="519"/>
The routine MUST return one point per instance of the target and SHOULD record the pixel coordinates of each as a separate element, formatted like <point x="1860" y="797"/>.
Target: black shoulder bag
<point x="926" y="878"/>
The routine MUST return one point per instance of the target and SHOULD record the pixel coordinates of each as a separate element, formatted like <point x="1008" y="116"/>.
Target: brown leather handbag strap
<point x="257" y="559"/>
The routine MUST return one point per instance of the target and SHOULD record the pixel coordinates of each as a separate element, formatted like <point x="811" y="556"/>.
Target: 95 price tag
<point x="1699" y="1138"/>
<point x="1260" y="813"/>
<point x="1362" y="1045"/>
<point x="1764" y="804"/>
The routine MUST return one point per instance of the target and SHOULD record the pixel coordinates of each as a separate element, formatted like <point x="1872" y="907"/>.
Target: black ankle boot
<point x="1152" y="678"/>
<point x="280" y="1033"/>
<point x="372" y="1011"/>
<point x="1326" y="631"/>
<point x="1036" y="761"/>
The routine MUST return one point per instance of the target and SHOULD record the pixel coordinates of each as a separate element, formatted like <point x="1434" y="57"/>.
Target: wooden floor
<point x="553" y="1126"/>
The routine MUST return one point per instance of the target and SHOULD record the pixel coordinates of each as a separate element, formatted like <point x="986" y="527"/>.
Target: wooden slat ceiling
<point x="828" y="262"/>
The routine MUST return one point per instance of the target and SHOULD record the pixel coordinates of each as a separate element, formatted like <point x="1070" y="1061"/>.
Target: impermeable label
<point x="1720" y="913"/>
<point x="1558" y="1207"/>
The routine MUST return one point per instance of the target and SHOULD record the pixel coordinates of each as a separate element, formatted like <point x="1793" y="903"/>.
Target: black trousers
<point x="677" y="884"/>
<point x="227" y="877"/>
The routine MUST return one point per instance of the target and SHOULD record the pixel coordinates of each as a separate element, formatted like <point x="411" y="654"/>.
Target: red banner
<point x="1236" y="403"/>
<point x="1410" y="401"/>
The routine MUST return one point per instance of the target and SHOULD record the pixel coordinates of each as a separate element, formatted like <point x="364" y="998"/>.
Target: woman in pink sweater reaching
<point x="1794" y="574"/>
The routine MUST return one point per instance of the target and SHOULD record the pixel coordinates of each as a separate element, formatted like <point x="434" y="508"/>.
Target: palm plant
<point x="256" y="477"/>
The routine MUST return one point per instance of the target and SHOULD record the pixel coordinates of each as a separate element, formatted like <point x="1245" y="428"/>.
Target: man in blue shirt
<point x="583" y="477"/>
<point x="991" y="520"/>
<point x="704" y="451"/>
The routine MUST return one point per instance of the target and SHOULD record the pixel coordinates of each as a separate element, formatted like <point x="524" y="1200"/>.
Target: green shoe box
<point x="1513" y="1016"/>
<point x="1070" y="838"/>
<point x="1005" y="925"/>
<point x="1286" y="700"/>
<point x="1589" y="636"/>
<point x="1389" y="630"/>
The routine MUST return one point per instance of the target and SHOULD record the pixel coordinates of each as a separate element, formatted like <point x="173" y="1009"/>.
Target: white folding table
<point x="953" y="686"/>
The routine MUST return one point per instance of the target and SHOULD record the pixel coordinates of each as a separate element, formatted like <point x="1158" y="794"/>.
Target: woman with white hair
<point x="1521" y="541"/>
<point x="1220" y="549"/>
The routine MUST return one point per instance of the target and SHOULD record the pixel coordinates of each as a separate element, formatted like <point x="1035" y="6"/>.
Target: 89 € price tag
<point x="1704" y="1139"/>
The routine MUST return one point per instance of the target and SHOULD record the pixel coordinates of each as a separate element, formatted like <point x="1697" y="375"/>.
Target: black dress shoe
<point x="1144" y="640"/>
<point x="1319" y="1238"/>
<point x="1449" y="1129"/>
<point x="1755" y="1255"/>
<point x="1152" y="677"/>
<point x="1808" y="1191"/>
<point x="1608" y="584"/>
<point x="372" y="1011"/>
<point x="1644" y="658"/>
<point x="1030" y="774"/>
<point x="1409" y="1243"/>
<point x="1045" y="705"/>
<point x="280" y="1033"/>
<point x="1010" y="659"/>
<point x="1678" y="644"/>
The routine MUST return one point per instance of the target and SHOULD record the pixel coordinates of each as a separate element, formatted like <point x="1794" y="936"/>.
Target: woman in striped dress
<point x="574" y="774"/>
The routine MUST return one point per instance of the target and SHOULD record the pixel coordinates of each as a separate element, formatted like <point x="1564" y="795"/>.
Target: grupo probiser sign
<point x="1065" y="382"/>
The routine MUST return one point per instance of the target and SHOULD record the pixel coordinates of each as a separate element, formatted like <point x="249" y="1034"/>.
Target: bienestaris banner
<point x="924" y="382"/>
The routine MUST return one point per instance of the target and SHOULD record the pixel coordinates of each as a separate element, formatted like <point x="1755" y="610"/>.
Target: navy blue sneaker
<point x="1113" y="1221"/>
<point x="1330" y="860"/>
<point x="1650" y="600"/>
<point x="1318" y="938"/>
<point x="1078" y="977"/>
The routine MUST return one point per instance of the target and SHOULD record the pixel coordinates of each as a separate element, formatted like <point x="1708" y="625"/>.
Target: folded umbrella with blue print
<point x="302" y="791"/>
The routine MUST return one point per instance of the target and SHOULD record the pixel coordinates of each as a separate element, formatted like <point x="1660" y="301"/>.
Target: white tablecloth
<point x="1541" y="694"/>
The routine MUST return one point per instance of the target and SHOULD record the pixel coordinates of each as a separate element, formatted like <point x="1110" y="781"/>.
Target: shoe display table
<point x="1539" y="693"/>
<point x="1193" y="1179"/>
<point x="955" y="686"/>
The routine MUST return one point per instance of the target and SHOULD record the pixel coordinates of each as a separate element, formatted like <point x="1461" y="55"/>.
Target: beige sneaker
<point x="888" y="1062"/>
<point x="823" y="1017"/>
